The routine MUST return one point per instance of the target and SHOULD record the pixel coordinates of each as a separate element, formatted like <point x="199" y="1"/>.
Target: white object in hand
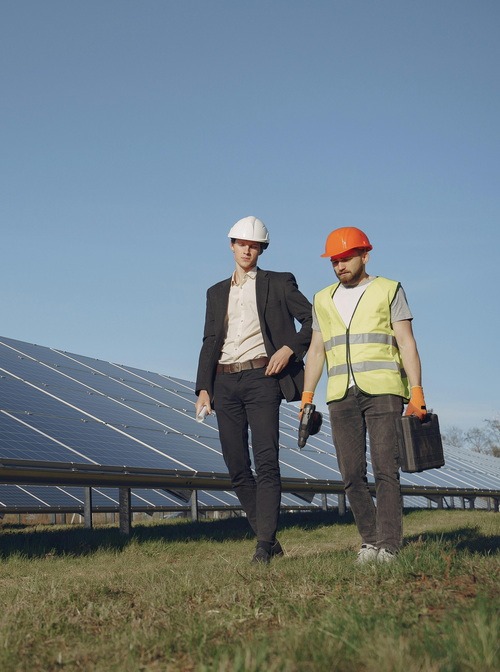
<point x="201" y="415"/>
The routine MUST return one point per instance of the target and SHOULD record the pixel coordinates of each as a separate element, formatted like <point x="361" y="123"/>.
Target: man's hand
<point x="416" y="405"/>
<point x="203" y="400"/>
<point x="279" y="360"/>
<point x="307" y="398"/>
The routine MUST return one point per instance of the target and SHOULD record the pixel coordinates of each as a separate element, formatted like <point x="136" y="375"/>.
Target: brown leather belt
<point x="243" y="366"/>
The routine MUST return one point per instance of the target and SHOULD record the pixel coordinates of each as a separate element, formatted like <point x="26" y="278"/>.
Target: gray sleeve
<point x="400" y="309"/>
<point x="315" y="323"/>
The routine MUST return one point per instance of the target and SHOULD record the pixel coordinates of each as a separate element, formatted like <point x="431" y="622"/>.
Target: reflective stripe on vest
<point x="358" y="339"/>
<point x="364" y="366"/>
<point x="367" y="348"/>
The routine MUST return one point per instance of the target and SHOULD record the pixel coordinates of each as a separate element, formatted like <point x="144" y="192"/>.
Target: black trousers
<point x="243" y="401"/>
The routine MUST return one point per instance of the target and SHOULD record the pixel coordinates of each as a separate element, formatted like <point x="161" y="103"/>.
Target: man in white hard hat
<point x="251" y="358"/>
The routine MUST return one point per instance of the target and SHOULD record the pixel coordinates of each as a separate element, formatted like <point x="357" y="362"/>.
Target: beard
<point x="351" y="278"/>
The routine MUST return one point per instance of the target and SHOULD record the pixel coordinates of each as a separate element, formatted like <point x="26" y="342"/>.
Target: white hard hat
<point x="250" y="228"/>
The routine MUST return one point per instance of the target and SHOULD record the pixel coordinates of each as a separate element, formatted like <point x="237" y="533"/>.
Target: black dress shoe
<point x="262" y="553"/>
<point x="276" y="550"/>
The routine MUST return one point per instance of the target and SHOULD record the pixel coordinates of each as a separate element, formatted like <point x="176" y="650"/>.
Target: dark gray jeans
<point x="351" y="418"/>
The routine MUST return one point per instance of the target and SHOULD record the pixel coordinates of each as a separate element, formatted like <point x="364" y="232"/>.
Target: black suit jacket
<point x="279" y="304"/>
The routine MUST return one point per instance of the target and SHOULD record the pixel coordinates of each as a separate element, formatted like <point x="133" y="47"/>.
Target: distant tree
<point x="453" y="436"/>
<point x="477" y="439"/>
<point x="494" y="435"/>
<point x="480" y="439"/>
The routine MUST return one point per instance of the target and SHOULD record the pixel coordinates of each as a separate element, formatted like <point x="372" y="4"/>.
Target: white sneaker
<point x="385" y="555"/>
<point x="367" y="553"/>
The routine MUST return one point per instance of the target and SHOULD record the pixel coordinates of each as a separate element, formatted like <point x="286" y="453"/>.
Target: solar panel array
<point x="55" y="499"/>
<point x="82" y="415"/>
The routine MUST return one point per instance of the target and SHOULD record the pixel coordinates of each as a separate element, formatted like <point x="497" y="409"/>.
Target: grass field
<point x="182" y="596"/>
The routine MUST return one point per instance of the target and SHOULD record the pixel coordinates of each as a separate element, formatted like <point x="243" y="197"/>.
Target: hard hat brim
<point x="347" y="253"/>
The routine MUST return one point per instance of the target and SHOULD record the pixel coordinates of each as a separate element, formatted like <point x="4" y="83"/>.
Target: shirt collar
<point x="251" y="274"/>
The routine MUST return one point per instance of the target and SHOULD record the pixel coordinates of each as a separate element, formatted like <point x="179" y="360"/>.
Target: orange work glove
<point x="416" y="405"/>
<point x="307" y="398"/>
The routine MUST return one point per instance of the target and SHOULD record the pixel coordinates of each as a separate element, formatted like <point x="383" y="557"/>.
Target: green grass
<point x="180" y="596"/>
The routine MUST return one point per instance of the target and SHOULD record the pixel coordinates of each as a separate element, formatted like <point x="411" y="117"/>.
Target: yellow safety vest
<point x="367" y="346"/>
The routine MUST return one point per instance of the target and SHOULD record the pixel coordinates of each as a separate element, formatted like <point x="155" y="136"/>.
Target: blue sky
<point x="134" y="134"/>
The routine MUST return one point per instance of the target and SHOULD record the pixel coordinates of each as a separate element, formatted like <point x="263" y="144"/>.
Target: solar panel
<point x="84" y="417"/>
<point x="88" y="416"/>
<point x="41" y="498"/>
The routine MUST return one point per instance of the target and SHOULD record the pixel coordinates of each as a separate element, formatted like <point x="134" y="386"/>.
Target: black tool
<point x="310" y="423"/>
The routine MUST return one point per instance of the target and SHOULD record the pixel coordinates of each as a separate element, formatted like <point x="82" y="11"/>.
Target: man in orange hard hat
<point x="362" y="326"/>
<point x="251" y="358"/>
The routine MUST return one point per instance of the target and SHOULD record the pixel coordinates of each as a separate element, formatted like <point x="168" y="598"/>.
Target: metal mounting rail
<point x="31" y="472"/>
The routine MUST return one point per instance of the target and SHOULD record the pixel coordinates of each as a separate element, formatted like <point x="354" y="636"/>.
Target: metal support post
<point x="87" y="508"/>
<point x="125" y="511"/>
<point x="342" y="504"/>
<point x="324" y="501"/>
<point x="194" y="506"/>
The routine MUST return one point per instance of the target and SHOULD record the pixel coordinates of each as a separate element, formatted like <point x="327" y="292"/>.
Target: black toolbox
<point x="422" y="445"/>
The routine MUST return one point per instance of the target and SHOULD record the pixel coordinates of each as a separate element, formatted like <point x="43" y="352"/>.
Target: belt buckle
<point x="236" y="367"/>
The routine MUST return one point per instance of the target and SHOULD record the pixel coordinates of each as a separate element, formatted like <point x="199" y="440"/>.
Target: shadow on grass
<point x="462" y="539"/>
<point x="71" y="540"/>
<point x="40" y="542"/>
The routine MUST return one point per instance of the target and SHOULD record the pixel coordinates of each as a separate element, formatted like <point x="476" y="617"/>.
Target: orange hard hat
<point x="342" y="241"/>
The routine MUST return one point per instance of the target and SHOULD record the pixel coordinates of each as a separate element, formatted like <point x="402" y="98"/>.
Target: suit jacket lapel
<point x="261" y="292"/>
<point x="220" y="308"/>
